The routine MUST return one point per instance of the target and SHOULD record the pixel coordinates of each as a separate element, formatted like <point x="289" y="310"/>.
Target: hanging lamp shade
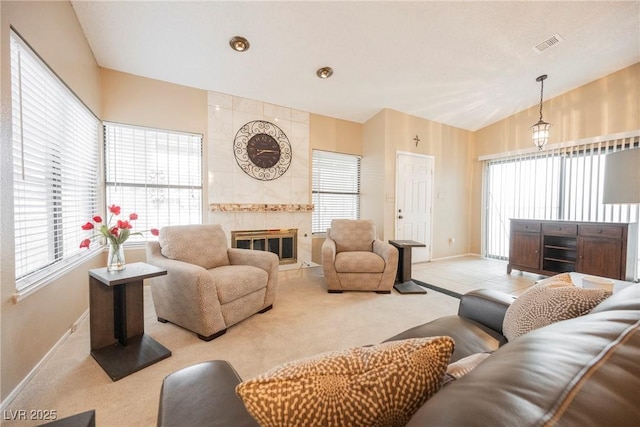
<point x="541" y="129"/>
<point x="540" y="133"/>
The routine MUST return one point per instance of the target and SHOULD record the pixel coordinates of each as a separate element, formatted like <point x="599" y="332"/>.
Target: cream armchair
<point x="208" y="286"/>
<point x="354" y="259"/>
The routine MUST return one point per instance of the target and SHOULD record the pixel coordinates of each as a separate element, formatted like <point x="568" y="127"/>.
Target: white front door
<point x="414" y="186"/>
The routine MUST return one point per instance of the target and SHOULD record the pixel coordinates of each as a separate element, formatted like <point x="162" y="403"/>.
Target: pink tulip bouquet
<point x="115" y="234"/>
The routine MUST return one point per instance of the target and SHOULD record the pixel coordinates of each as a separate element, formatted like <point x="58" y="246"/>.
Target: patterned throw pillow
<point x="462" y="367"/>
<point x="465" y="365"/>
<point x="382" y="385"/>
<point x="549" y="301"/>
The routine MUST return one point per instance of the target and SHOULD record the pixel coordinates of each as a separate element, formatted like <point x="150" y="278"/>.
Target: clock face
<point x="262" y="150"/>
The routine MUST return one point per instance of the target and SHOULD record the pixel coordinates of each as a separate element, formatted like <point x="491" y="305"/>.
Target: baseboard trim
<point x="456" y="256"/>
<point x="16" y="391"/>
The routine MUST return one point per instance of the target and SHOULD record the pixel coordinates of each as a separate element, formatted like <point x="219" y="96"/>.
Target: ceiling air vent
<point x="550" y="42"/>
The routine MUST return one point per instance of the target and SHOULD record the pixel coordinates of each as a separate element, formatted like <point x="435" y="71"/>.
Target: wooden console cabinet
<point x="552" y="247"/>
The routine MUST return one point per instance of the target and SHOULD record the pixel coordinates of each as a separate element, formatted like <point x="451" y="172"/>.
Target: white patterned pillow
<point x="382" y="385"/>
<point x="549" y="301"/>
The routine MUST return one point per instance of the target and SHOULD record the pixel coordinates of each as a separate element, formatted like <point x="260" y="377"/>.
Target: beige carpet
<point x="305" y="320"/>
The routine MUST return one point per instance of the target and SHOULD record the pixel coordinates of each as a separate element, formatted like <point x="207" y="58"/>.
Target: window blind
<point x="558" y="184"/>
<point x="335" y="188"/>
<point x="55" y="166"/>
<point x="154" y="173"/>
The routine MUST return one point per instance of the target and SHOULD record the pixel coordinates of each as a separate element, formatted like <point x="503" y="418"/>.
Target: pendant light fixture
<point x="541" y="129"/>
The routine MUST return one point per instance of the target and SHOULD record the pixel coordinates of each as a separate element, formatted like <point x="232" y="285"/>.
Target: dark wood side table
<point x="116" y="314"/>
<point x="404" y="284"/>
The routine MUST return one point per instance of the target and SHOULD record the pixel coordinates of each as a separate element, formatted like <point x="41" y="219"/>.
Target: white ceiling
<point x="466" y="64"/>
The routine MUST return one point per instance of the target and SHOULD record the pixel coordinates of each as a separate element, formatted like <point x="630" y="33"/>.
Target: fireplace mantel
<point x="259" y="207"/>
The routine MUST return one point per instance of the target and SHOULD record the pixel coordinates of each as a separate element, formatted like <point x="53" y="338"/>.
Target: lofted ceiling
<point x="465" y="64"/>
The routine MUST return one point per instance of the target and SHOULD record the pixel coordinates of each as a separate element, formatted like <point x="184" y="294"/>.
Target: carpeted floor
<point x="305" y="320"/>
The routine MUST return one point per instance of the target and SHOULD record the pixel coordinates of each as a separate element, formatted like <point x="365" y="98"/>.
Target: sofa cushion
<point x="549" y="301"/>
<point x="202" y="244"/>
<point x="624" y="299"/>
<point x="366" y="386"/>
<point x="470" y="337"/>
<point x="579" y="372"/>
<point x="359" y="262"/>
<point x="353" y="234"/>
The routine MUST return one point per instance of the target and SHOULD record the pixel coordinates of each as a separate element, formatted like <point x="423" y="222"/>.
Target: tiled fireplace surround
<point x="238" y="202"/>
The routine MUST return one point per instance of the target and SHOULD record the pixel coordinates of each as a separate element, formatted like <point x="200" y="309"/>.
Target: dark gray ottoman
<point x="203" y="395"/>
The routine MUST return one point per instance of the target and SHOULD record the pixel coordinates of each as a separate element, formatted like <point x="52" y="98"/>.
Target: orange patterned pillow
<point x="382" y="385"/>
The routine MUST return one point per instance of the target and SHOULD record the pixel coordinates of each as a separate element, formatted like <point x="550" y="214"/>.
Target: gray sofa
<point x="579" y="372"/>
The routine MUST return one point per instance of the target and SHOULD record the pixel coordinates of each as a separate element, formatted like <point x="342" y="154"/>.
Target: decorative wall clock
<point x="262" y="150"/>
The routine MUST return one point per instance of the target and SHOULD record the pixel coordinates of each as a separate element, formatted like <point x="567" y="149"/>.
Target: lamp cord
<point x="541" y="91"/>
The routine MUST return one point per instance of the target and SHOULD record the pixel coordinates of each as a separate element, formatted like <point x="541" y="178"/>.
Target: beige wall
<point x="329" y="134"/>
<point x="606" y="106"/>
<point x="140" y="101"/>
<point x="31" y="327"/>
<point x="391" y="131"/>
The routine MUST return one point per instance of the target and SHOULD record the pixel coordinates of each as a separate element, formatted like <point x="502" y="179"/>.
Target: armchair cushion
<point x="235" y="281"/>
<point x="353" y="235"/>
<point x="359" y="262"/>
<point x="203" y="245"/>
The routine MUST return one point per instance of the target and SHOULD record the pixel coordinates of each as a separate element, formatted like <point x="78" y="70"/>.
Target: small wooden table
<point x="404" y="283"/>
<point x="116" y="311"/>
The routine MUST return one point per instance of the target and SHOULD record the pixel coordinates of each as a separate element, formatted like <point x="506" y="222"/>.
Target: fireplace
<point x="282" y="242"/>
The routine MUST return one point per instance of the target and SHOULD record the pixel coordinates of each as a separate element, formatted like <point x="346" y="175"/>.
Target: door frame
<point x="395" y="211"/>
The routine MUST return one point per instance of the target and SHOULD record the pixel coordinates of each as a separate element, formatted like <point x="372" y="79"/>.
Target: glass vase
<point x="115" y="259"/>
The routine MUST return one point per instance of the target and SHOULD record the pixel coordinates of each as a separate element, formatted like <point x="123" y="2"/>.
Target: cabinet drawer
<point x="526" y="226"/>
<point x="560" y="229"/>
<point x="602" y="230"/>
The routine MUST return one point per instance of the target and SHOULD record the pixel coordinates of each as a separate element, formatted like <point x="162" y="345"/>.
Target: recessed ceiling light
<point x="239" y="44"/>
<point x="324" y="72"/>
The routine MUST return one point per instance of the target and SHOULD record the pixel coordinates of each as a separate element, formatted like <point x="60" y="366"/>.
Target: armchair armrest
<point x="485" y="306"/>
<point x="329" y="251"/>
<point x="387" y="251"/>
<point x="265" y="260"/>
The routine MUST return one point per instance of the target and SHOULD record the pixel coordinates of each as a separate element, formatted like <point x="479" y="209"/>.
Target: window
<point x="55" y="167"/>
<point x="335" y="188"/>
<point x="558" y="184"/>
<point x="154" y="173"/>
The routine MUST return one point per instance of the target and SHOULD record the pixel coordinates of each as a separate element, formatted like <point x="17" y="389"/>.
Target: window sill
<point x="50" y="275"/>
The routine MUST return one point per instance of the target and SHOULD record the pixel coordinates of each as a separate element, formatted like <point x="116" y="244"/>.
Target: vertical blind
<point x="55" y="166"/>
<point x="335" y="188"/>
<point x="558" y="184"/>
<point x="154" y="173"/>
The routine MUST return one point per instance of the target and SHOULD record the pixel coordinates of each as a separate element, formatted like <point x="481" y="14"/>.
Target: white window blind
<point x="335" y="188"/>
<point x="558" y="184"/>
<point x="55" y="167"/>
<point x="154" y="173"/>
